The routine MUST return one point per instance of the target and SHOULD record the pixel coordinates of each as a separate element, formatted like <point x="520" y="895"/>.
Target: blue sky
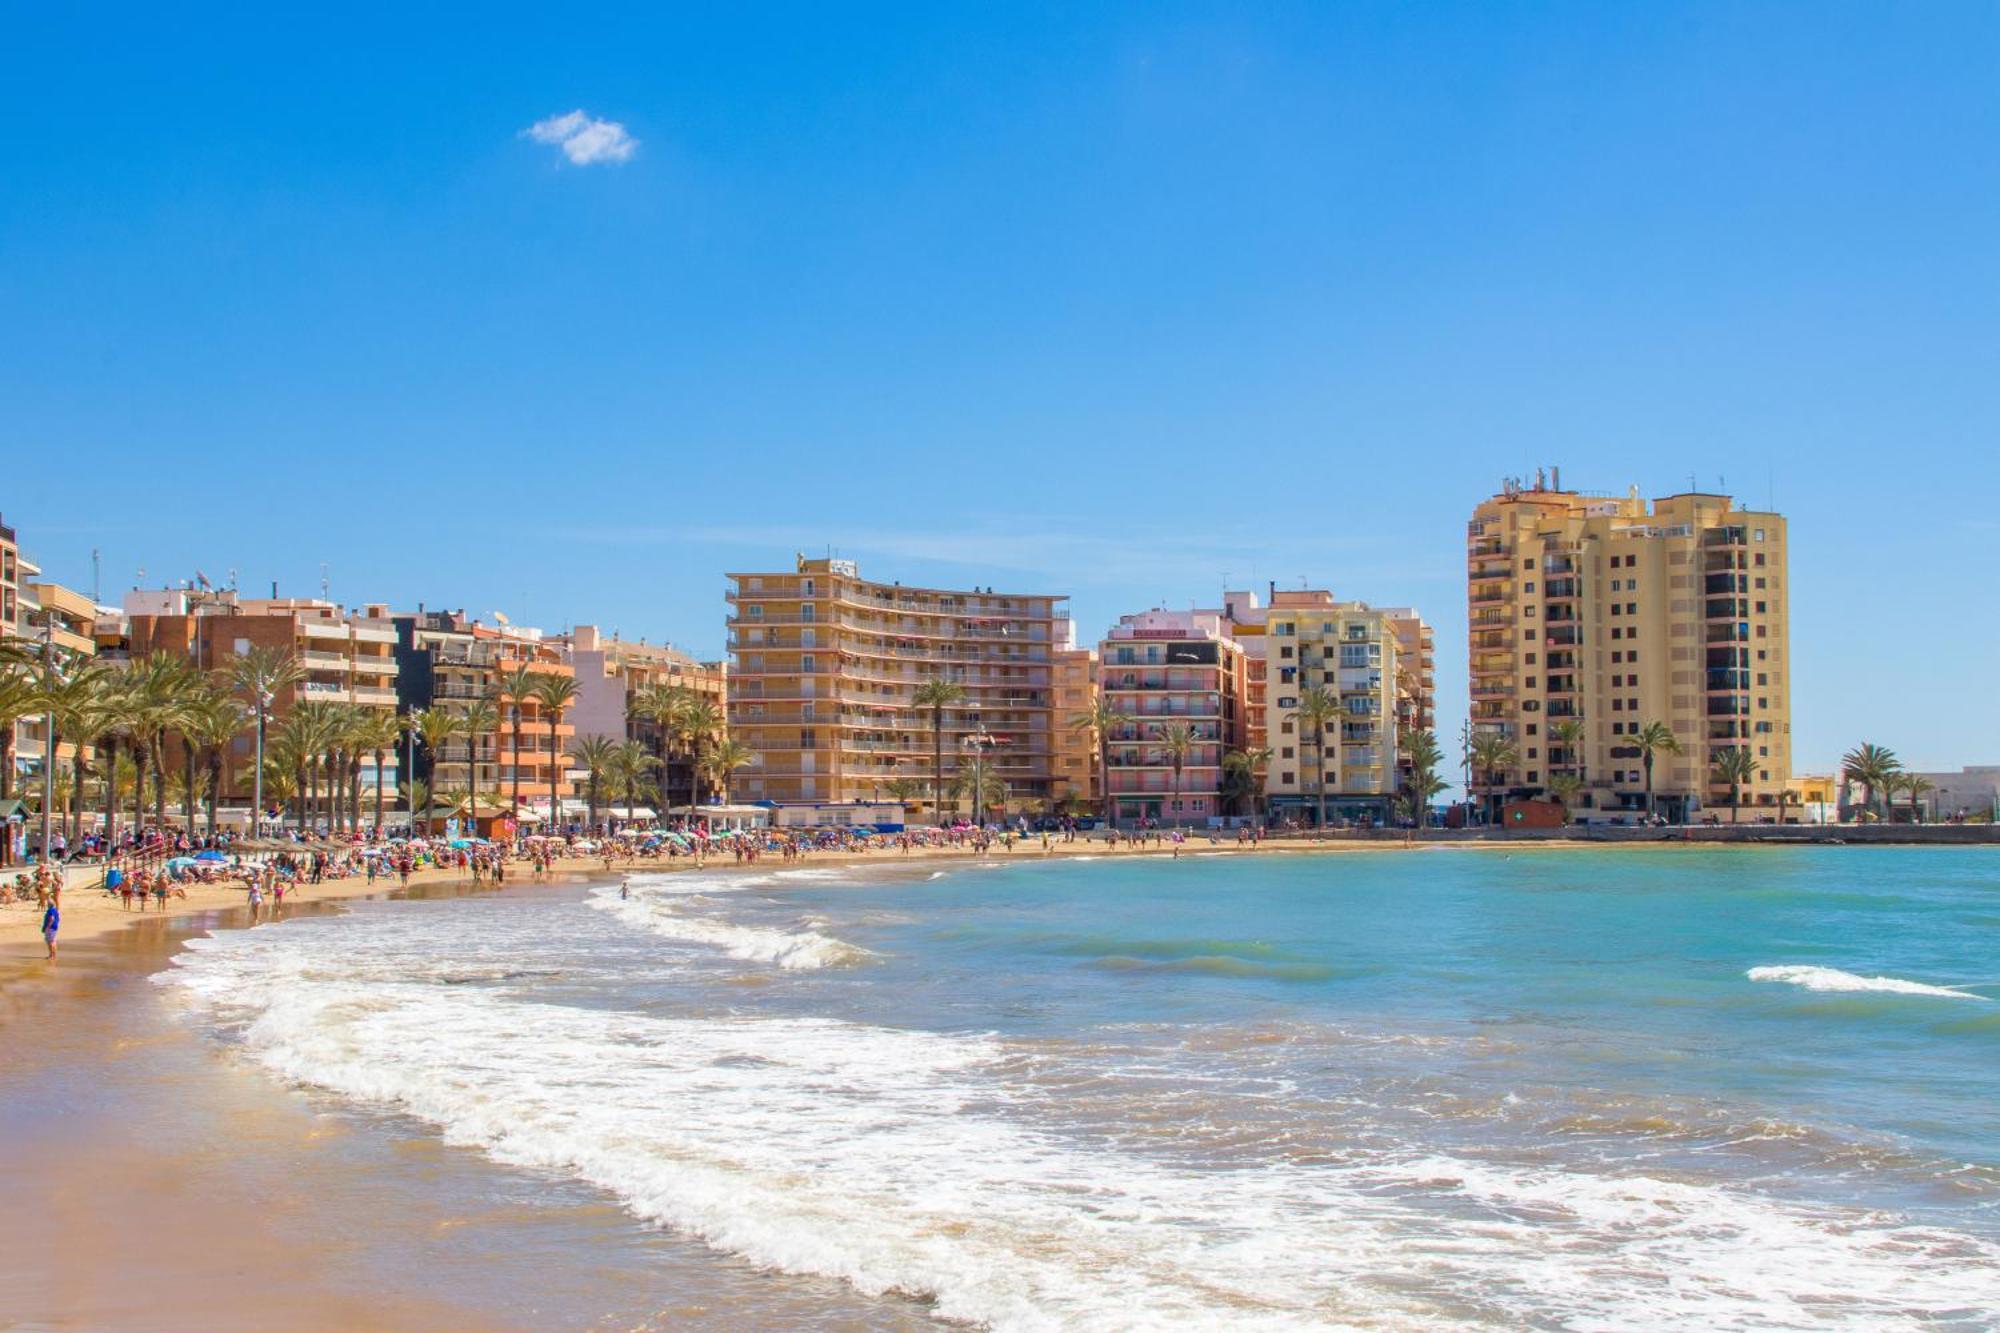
<point x="1112" y="300"/>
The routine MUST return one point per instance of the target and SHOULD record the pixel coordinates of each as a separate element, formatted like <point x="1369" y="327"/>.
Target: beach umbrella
<point x="210" y="855"/>
<point x="180" y="863"/>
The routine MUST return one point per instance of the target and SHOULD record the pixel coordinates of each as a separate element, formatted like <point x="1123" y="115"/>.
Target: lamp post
<point x="48" y="733"/>
<point x="977" y="744"/>
<point x="264" y="701"/>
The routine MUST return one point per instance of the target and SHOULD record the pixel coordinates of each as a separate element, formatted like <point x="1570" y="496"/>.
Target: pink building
<point x="1162" y="668"/>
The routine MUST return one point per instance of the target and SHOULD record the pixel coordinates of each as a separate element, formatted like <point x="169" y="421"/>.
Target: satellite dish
<point x="500" y="618"/>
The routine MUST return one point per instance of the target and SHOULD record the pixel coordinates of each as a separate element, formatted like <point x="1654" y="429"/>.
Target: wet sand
<point x="154" y="1182"/>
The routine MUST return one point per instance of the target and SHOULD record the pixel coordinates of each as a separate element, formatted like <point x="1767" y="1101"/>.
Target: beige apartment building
<point x="1604" y="611"/>
<point x="1074" y="768"/>
<point x="1378" y="663"/>
<point x="825" y="665"/>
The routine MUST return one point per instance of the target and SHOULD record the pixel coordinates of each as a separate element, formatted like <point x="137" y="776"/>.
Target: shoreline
<point x="89" y="915"/>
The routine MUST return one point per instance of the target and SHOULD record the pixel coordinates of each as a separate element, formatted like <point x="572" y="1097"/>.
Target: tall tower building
<point x="1601" y="611"/>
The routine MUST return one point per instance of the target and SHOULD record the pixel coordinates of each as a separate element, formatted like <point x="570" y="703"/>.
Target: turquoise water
<point x="1707" y="1087"/>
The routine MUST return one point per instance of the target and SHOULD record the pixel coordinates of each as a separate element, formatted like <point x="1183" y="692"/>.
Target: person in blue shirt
<point x="51" y="922"/>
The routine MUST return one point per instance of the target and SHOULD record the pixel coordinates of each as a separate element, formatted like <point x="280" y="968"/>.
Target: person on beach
<point x="625" y="887"/>
<point x="51" y="923"/>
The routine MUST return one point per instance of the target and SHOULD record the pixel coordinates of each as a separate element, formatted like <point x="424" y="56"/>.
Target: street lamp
<point x="48" y="732"/>
<point x="977" y="744"/>
<point x="265" y="698"/>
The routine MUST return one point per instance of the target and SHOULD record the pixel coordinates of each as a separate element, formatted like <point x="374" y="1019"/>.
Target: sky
<point x="566" y="314"/>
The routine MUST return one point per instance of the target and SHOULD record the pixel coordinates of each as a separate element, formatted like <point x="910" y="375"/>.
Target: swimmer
<point x="625" y="887"/>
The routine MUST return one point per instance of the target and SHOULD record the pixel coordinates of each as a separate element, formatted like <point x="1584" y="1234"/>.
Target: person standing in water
<point x="625" y="887"/>
<point x="52" y="922"/>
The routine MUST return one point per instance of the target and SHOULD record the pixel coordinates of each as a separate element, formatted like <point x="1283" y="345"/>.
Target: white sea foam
<point x="669" y="906"/>
<point x="906" y="1161"/>
<point x="1833" y="979"/>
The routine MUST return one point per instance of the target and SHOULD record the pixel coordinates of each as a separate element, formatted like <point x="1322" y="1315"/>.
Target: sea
<point x="1641" y="1088"/>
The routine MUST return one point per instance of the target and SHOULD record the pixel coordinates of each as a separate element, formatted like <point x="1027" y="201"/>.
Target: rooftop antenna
<point x="96" y="575"/>
<point x="324" y="584"/>
<point x="232" y="578"/>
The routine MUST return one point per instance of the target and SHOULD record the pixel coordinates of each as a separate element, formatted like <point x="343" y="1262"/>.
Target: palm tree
<point x="70" y="697"/>
<point x="416" y="794"/>
<point x="1318" y="708"/>
<point x="209" y="728"/>
<point x="1098" y="722"/>
<point x="1785" y="797"/>
<point x="977" y="781"/>
<point x="1874" y="767"/>
<point x="436" y="728"/>
<point x="1653" y="738"/>
<point x="20" y="697"/>
<point x="1422" y="783"/>
<point x="553" y="694"/>
<point x="163" y="686"/>
<point x="1244" y="770"/>
<point x="1567" y="735"/>
<point x="1176" y="740"/>
<point x="938" y="694"/>
<point x="259" y="675"/>
<point x="665" y="706"/>
<point x="1492" y="754"/>
<point x="515" y="686"/>
<point x="481" y="719"/>
<point x="1736" y="766"/>
<point x="907" y="791"/>
<point x="376" y="735"/>
<point x="701" y="724"/>
<point x="1564" y="787"/>
<point x="722" y="759"/>
<point x="595" y="754"/>
<point x="626" y="771"/>
<point x="1916" y="786"/>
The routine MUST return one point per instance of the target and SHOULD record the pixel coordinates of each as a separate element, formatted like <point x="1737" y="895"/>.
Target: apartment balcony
<point x="1729" y="633"/>
<point x="313" y="657"/>
<point x="1489" y="712"/>
<point x="1729" y="706"/>
<point x="1728" y="535"/>
<point x="1562" y="589"/>
<point x="1562" y="708"/>
<point x="1488" y="639"/>
<point x="1485" y="620"/>
<point x="365" y="694"/>
<point x="1486" y="548"/>
<point x="325" y="692"/>
<point x="1729" y="678"/>
<point x="1563" y="636"/>
<point x="373" y="666"/>
<point x="1717" y="584"/>
<point x="1728" y="730"/>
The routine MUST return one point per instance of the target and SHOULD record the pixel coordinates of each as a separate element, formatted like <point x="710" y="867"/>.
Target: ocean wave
<point x="1833" y="980"/>
<point x="914" y="1162"/>
<point x="665" y="915"/>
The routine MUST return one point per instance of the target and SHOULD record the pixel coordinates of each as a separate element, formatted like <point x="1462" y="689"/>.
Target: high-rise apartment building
<point x="1375" y="663"/>
<point x="825" y="666"/>
<point x="1168" y="671"/>
<point x="1601" y="611"/>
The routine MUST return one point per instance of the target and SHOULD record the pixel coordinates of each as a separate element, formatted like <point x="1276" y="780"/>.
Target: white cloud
<point x="583" y="138"/>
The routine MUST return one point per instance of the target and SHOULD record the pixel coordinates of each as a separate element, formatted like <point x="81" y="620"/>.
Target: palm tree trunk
<point x="214" y="789"/>
<point x="937" y="762"/>
<point x="1104" y="781"/>
<point x="516" y="798"/>
<point x="378" y="793"/>
<point x="110" y="761"/>
<point x="552" y="773"/>
<point x="1319" y="780"/>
